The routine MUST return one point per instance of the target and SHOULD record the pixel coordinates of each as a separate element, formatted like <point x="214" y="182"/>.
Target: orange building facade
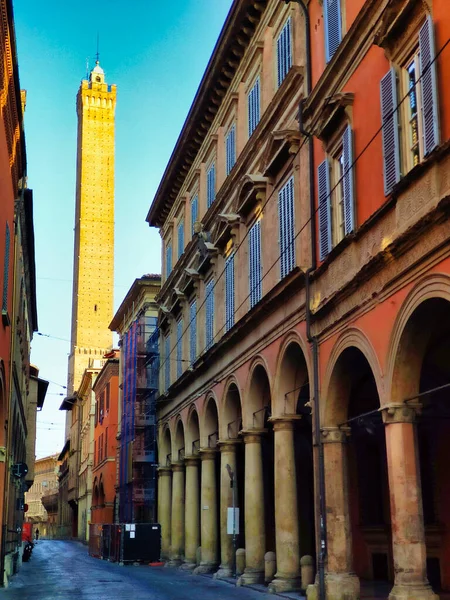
<point x="106" y="390"/>
<point x="304" y="312"/>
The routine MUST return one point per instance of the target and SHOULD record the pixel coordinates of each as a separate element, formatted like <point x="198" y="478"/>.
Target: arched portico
<point x="192" y="497"/>
<point x="178" y="494"/>
<point x="165" y="490"/>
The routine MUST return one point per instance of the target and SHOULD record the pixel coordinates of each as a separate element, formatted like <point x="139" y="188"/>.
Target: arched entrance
<point x="421" y="381"/>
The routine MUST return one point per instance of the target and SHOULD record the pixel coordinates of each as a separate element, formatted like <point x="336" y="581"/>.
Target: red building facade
<point x="106" y="390"/>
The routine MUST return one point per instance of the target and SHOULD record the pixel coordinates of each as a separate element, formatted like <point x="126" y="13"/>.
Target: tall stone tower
<point x="93" y="272"/>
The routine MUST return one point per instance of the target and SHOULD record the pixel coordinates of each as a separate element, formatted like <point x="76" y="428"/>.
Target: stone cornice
<point x="236" y="34"/>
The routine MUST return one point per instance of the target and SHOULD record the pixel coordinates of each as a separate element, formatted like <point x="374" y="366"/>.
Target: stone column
<point x="408" y="533"/>
<point x="177" y="545"/>
<point x="227" y="457"/>
<point x="341" y="581"/>
<point x="255" y="530"/>
<point x="287" y="576"/>
<point x="208" y="513"/>
<point x="165" y="509"/>
<point x="192" y="514"/>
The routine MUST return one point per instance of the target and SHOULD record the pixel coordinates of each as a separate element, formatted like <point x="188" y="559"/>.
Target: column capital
<point x="208" y="453"/>
<point x="335" y="435"/>
<point x="400" y="412"/>
<point x="164" y="471"/>
<point x="253" y="436"/>
<point x="284" y="422"/>
<point x="229" y="445"/>
<point x="178" y="466"/>
<point x="192" y="461"/>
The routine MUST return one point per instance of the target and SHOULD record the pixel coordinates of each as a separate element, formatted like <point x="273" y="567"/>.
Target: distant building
<point x="136" y="323"/>
<point x="46" y="472"/>
<point x="105" y="468"/>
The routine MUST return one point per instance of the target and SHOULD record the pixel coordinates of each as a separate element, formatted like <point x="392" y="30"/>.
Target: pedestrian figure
<point x="37" y="534"/>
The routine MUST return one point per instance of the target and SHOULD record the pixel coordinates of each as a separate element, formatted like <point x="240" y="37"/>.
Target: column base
<point x="250" y="577"/>
<point x="188" y="566"/>
<point x="282" y="583"/>
<point x="174" y="562"/>
<point x="414" y="591"/>
<point x="223" y="573"/>
<point x="339" y="586"/>
<point x="205" y="568"/>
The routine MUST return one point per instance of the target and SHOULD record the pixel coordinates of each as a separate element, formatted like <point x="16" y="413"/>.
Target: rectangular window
<point x="108" y="393"/>
<point x="167" y="362"/>
<point x="254" y="264"/>
<point x="230" y="148"/>
<point x="6" y="269"/>
<point x="229" y="292"/>
<point x="284" y="52"/>
<point x="286" y="227"/>
<point x="337" y="198"/>
<point x="193" y="331"/>
<point x="102" y="406"/>
<point x="168" y="259"/>
<point x="194" y="212"/>
<point x="254" y="106"/>
<point x="180" y="238"/>
<point x="333" y="26"/>
<point x="179" y="348"/>
<point x="211" y="185"/>
<point x="209" y="298"/>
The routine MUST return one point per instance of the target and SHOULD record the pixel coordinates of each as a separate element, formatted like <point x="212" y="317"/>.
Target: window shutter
<point x="209" y="291"/>
<point x="6" y="268"/>
<point x="180" y="238"/>
<point x="179" y="347"/>
<point x="349" y="203"/>
<point x="230" y="147"/>
<point x="254" y="107"/>
<point x="286" y="227"/>
<point x="167" y="361"/>
<point x="229" y="293"/>
<point x="284" y="52"/>
<point x="333" y="26"/>
<point x="194" y="212"/>
<point x="323" y="177"/>
<point x="429" y="91"/>
<point x="168" y="259"/>
<point x="389" y="119"/>
<point x="193" y="331"/>
<point x="254" y="267"/>
<point x="211" y="185"/>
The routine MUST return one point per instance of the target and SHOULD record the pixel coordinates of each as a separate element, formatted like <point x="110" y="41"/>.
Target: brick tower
<point x="93" y="271"/>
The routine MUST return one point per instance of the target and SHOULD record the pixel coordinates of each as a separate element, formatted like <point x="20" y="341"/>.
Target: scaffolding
<point x="138" y="460"/>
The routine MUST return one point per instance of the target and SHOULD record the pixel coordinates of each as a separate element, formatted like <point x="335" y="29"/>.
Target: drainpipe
<point x="312" y="339"/>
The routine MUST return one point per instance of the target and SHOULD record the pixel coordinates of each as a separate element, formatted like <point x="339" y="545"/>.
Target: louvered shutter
<point x="284" y="52"/>
<point x="254" y="257"/>
<point x="286" y="227"/>
<point x="254" y="108"/>
<point x="193" y="331"/>
<point x="333" y="26"/>
<point x="429" y="91"/>
<point x="209" y="313"/>
<point x="390" y="141"/>
<point x="179" y="348"/>
<point x="349" y="202"/>
<point x="211" y="184"/>
<point x="194" y="212"/>
<point x="323" y="178"/>
<point x="167" y="361"/>
<point x="230" y="147"/>
<point x="6" y="268"/>
<point x="180" y="238"/>
<point x="229" y="292"/>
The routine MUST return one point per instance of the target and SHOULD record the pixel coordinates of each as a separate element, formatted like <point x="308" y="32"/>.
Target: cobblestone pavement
<point x="64" y="570"/>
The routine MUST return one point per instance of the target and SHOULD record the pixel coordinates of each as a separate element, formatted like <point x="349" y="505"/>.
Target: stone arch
<point x="336" y="381"/>
<point x="258" y="395"/>
<point x="192" y="431"/>
<point x="231" y="410"/>
<point x="209" y="429"/>
<point x="178" y="449"/>
<point x="292" y="374"/>
<point x="165" y="446"/>
<point x="410" y="336"/>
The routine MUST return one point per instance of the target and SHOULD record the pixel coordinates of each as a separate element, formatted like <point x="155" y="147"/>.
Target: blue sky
<point x="156" y="53"/>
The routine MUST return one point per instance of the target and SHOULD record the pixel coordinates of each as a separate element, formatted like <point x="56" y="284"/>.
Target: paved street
<point x="63" y="569"/>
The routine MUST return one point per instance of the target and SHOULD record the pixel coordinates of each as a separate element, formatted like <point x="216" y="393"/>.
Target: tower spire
<point x="97" y="54"/>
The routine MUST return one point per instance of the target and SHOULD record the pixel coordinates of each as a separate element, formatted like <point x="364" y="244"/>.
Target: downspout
<point x="311" y="338"/>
